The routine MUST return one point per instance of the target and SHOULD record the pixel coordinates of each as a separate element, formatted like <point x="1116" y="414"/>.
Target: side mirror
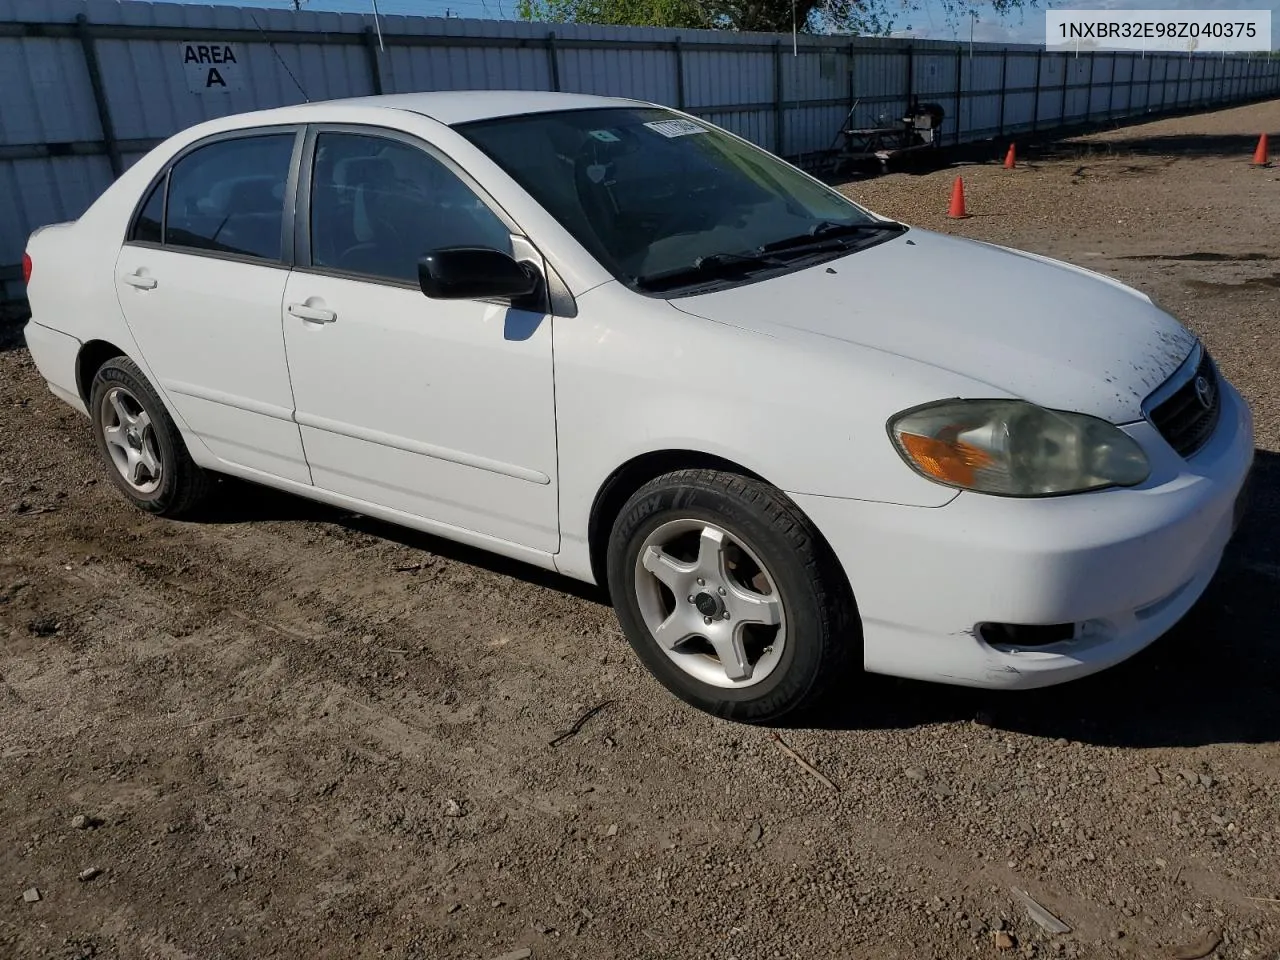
<point x="475" y="273"/>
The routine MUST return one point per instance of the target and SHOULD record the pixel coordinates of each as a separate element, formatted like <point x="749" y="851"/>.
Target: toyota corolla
<point x="613" y="340"/>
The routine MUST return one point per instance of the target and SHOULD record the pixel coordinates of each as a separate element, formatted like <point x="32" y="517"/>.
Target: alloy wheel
<point x="710" y="604"/>
<point x="131" y="440"/>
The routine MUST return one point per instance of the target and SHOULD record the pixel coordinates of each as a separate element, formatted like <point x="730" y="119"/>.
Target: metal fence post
<point x="371" y="53"/>
<point x="1088" y="97"/>
<point x="853" y="86"/>
<point x="1111" y="87"/>
<point x="1035" y="109"/>
<point x="553" y="61"/>
<point x="675" y="45"/>
<point x="959" y="85"/>
<point x="959" y="77"/>
<point x="778" y="118"/>
<point x="911" y="76"/>
<point x="1062" y="116"/>
<point x="1004" y="75"/>
<point x="90" y="52"/>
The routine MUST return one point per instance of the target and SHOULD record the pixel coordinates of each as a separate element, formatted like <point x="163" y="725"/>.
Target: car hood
<point x="1048" y="332"/>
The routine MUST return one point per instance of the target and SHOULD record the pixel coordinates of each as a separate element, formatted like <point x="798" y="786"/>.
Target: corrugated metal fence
<point x="88" y="86"/>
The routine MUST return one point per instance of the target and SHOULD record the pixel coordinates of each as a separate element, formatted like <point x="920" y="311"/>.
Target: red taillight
<point x="26" y="268"/>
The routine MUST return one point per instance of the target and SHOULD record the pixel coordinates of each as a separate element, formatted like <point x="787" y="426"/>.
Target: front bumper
<point x="1122" y="565"/>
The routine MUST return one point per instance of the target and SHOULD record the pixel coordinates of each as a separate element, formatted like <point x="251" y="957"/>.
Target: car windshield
<point x="664" y="202"/>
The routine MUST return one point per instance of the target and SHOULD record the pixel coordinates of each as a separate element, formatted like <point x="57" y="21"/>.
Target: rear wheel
<point x="729" y="595"/>
<point x="138" y="440"/>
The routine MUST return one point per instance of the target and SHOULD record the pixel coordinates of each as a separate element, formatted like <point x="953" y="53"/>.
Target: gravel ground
<point x="291" y="732"/>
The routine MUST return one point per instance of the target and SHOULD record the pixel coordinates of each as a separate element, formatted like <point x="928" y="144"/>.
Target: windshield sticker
<point x="606" y="136"/>
<point x="675" y="128"/>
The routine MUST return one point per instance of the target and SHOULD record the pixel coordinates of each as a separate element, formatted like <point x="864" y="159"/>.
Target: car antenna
<point x="302" y="91"/>
<point x="377" y="24"/>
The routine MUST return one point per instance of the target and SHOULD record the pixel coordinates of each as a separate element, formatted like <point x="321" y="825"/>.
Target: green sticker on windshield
<point x="675" y="128"/>
<point x="606" y="136"/>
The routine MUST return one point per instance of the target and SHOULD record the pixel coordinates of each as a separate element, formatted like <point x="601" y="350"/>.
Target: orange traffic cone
<point x="1011" y="157"/>
<point x="957" y="211"/>
<point x="1260" y="155"/>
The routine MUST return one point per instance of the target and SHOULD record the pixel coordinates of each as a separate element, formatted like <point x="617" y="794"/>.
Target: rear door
<point x="201" y="278"/>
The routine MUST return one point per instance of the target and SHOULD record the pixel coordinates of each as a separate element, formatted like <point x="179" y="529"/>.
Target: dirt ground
<point x="291" y="732"/>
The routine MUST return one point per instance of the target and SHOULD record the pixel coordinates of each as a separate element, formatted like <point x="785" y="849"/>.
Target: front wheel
<point x="729" y="595"/>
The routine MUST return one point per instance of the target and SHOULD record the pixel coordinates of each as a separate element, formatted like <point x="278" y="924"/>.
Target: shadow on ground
<point x="241" y="502"/>
<point x="1046" y="148"/>
<point x="1214" y="678"/>
<point x="11" y="323"/>
<point x="1188" y="145"/>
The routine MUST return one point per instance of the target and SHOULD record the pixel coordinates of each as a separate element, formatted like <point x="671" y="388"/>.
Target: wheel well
<point x="90" y="360"/>
<point x="629" y="478"/>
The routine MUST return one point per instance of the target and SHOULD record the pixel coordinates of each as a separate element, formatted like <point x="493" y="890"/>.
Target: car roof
<point x="462" y="106"/>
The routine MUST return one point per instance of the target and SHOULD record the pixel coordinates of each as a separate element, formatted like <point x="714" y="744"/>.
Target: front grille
<point x="1188" y="418"/>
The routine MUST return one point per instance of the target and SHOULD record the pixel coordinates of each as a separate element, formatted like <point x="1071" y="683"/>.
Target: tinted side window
<point x="229" y="196"/>
<point x="146" y="229"/>
<point x="378" y="205"/>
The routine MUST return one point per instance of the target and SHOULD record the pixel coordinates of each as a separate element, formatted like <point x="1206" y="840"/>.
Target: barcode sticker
<point x="675" y="128"/>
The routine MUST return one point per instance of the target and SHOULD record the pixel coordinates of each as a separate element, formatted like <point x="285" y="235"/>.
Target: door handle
<point x="312" y="314"/>
<point x="139" y="281"/>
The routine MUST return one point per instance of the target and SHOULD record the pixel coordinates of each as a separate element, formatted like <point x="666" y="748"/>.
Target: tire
<point x="773" y="560"/>
<point x="137" y="438"/>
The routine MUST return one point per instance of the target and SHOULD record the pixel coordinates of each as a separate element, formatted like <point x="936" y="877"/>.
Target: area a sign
<point x="212" y="67"/>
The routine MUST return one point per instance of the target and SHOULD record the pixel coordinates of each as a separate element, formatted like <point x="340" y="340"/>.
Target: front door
<point x="441" y="410"/>
<point x="201" y="279"/>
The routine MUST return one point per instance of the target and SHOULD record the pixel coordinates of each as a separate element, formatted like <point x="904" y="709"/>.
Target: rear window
<point x="228" y="196"/>
<point x="149" y="226"/>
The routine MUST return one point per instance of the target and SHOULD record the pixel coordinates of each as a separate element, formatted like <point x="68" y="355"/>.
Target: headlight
<point x="1015" y="449"/>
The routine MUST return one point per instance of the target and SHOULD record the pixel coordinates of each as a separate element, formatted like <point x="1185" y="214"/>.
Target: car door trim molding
<point x="231" y="400"/>
<point x="423" y="449"/>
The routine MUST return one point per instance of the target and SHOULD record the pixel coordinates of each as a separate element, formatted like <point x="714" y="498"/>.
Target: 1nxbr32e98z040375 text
<point x="1209" y="31"/>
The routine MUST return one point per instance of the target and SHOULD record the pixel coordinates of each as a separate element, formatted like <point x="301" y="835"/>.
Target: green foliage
<point x="860" y="17"/>
<point x="624" y="13"/>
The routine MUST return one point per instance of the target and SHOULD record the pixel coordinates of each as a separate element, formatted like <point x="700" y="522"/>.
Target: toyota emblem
<point x="1204" y="392"/>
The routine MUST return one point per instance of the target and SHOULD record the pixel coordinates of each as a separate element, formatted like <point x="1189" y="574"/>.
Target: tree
<point x="688" y="14"/>
<point x="860" y="17"/>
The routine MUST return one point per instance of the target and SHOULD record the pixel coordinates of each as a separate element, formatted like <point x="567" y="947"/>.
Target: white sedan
<point x="613" y="340"/>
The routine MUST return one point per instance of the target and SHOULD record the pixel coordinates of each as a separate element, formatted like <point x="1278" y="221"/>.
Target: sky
<point x="927" y="21"/>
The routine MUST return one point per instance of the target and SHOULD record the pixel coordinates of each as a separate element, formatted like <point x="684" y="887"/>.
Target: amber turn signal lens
<point x="948" y="461"/>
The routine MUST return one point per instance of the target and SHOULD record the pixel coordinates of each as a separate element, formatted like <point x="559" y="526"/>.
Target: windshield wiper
<point x="710" y="266"/>
<point x="826" y="234"/>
